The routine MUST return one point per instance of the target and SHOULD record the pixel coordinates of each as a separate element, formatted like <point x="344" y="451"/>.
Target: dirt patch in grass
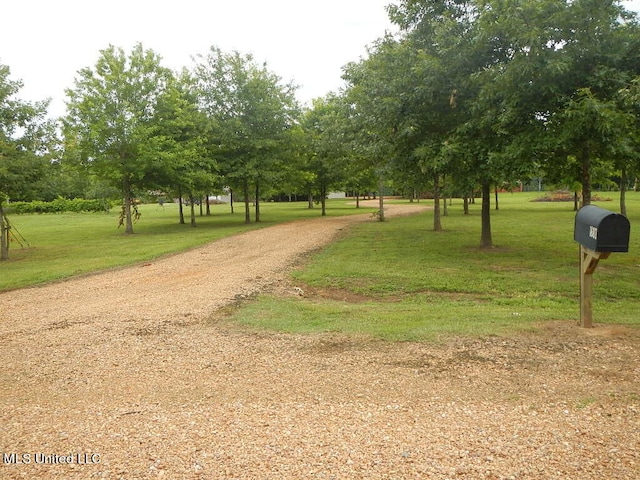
<point x="288" y="288"/>
<point x="340" y="295"/>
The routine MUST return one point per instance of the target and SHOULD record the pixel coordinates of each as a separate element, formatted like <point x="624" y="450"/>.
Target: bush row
<point x="60" y="205"/>
<point x="568" y="197"/>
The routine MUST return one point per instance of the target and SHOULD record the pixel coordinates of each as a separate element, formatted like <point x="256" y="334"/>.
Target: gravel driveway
<point x="124" y="375"/>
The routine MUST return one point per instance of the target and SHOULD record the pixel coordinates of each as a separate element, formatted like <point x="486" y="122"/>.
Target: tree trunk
<point x="623" y="191"/>
<point x="310" y="198"/>
<point x="465" y="205"/>
<point x="206" y="199"/>
<point x="4" y="235"/>
<point x="201" y="212"/>
<point x="180" y="207"/>
<point x="357" y="199"/>
<point x="576" y="202"/>
<point x="126" y="190"/>
<point x="193" y="209"/>
<point x="586" y="175"/>
<point x="381" y="200"/>
<point x="257" y="201"/>
<point x="231" y="199"/>
<point x="497" y="207"/>
<point x="323" y="200"/>
<point x="485" y="239"/>
<point x="437" y="224"/>
<point x="247" y="210"/>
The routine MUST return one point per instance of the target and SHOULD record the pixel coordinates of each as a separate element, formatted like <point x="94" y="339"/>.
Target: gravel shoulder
<point x="124" y="375"/>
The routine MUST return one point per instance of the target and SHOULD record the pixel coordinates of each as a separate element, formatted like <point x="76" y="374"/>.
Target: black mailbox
<point x="601" y="230"/>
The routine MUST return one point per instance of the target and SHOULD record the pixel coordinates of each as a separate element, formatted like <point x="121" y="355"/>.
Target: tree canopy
<point x="253" y="113"/>
<point x="111" y="111"/>
<point x="491" y="91"/>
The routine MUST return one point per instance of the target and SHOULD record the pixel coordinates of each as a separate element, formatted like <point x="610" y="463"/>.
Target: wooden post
<point x="588" y="262"/>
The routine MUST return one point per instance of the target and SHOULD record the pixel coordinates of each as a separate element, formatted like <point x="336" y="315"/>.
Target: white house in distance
<point x="226" y="197"/>
<point x="337" y="195"/>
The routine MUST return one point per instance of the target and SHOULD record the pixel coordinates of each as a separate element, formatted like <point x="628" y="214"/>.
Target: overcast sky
<point x="45" y="42"/>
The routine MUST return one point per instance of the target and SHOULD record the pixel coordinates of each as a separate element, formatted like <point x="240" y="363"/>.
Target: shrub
<point x="60" y="205"/>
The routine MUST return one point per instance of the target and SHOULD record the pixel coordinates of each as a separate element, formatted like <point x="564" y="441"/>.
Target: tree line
<point x="494" y="92"/>
<point x="468" y="95"/>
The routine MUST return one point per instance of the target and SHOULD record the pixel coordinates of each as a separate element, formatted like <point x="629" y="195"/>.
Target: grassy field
<point x="67" y="244"/>
<point x="406" y="282"/>
<point x="396" y="280"/>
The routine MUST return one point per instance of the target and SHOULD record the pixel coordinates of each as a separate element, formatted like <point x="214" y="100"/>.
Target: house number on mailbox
<point x="593" y="232"/>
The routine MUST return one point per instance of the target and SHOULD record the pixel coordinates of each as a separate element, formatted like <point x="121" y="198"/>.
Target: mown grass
<point x="68" y="244"/>
<point x="420" y="285"/>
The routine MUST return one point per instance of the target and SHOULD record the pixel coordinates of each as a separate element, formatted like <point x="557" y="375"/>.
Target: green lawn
<point x="406" y="282"/>
<point x="415" y="284"/>
<point x="63" y="245"/>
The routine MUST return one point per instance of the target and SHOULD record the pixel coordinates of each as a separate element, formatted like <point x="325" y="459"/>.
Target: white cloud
<point x="46" y="42"/>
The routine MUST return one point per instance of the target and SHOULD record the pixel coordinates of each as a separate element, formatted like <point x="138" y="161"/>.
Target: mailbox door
<point x="613" y="234"/>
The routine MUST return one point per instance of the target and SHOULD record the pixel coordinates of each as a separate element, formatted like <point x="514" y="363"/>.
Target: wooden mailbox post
<point x="599" y="233"/>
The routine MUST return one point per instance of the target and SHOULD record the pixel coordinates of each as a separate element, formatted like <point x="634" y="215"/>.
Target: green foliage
<point x="327" y="129"/>
<point x="494" y="91"/>
<point x="252" y="114"/>
<point x="23" y="140"/>
<point x="111" y="118"/>
<point x="475" y="92"/>
<point x="60" y="205"/>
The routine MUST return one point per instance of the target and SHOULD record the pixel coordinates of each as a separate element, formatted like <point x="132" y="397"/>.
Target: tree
<point x="254" y="113"/>
<point x="600" y="46"/>
<point x="178" y="144"/>
<point x="377" y="104"/>
<point x="630" y="164"/>
<point x="26" y="140"/>
<point x="408" y="91"/>
<point x="514" y="69"/>
<point x="326" y="129"/>
<point x="590" y="130"/>
<point x="110" y="115"/>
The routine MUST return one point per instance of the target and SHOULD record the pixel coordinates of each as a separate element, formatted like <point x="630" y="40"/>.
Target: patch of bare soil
<point x="121" y="375"/>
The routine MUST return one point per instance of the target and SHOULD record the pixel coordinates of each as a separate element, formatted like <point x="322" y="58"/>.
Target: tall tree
<point x="630" y="164"/>
<point x="522" y="70"/>
<point x="376" y="98"/>
<point x="110" y="116"/>
<point x="178" y="143"/>
<point x="326" y="127"/>
<point x="592" y="131"/>
<point x="26" y="140"/>
<point x="254" y="113"/>
<point x="600" y="47"/>
<point x="410" y="91"/>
